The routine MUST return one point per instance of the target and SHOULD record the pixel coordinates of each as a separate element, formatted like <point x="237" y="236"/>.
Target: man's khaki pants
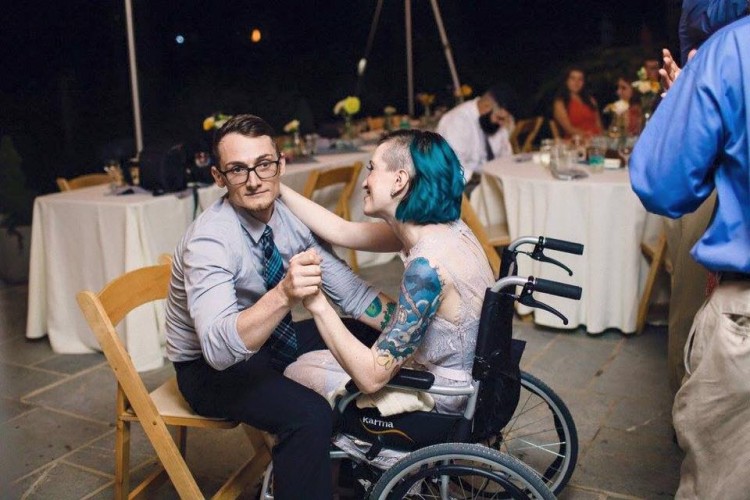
<point x="712" y="408"/>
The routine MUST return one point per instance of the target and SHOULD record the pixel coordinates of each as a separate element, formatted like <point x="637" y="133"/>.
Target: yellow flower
<point x="425" y="98"/>
<point x="292" y="126"/>
<point x="348" y="106"/>
<point x="215" y="121"/>
<point x="655" y="87"/>
<point x="463" y="91"/>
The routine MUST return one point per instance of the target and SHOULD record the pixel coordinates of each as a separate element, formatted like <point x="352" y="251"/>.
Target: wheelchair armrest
<point x="412" y="379"/>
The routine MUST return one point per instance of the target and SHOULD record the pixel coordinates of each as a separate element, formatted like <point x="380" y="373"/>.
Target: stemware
<point x="625" y="149"/>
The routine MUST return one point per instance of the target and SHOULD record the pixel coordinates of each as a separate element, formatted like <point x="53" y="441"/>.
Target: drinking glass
<point x="626" y="149"/>
<point x="545" y="151"/>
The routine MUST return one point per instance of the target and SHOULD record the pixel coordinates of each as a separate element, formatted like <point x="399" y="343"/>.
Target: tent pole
<point x="134" y="78"/>
<point x="409" y="58"/>
<point x="446" y="47"/>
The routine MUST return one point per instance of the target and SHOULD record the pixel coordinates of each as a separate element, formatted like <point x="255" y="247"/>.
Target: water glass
<point x="545" y="151"/>
<point x="596" y="158"/>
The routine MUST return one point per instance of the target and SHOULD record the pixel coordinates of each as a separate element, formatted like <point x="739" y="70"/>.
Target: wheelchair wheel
<point x="459" y="471"/>
<point x="541" y="434"/>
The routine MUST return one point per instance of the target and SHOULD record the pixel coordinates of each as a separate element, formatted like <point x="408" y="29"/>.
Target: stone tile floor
<point x="57" y="436"/>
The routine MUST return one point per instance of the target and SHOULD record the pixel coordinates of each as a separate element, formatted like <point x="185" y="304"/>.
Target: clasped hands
<point x="303" y="279"/>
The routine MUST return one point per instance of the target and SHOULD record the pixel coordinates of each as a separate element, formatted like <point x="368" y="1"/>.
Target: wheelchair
<point x="515" y="438"/>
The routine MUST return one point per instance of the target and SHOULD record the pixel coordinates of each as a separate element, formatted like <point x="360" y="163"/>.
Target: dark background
<point x="65" y="92"/>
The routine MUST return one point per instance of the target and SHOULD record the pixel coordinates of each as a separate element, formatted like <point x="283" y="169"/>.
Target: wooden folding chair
<point x="347" y="177"/>
<point x="470" y="218"/>
<point x="81" y="181"/>
<point x="164" y="406"/>
<point x="656" y="252"/>
<point x="527" y="131"/>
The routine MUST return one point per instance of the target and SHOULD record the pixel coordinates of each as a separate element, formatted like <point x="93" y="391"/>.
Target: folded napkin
<point x="389" y="400"/>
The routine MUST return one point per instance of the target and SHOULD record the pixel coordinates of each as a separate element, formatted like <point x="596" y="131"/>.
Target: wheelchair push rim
<point x="459" y="471"/>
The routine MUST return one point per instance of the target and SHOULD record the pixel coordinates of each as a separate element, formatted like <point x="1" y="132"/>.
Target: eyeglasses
<point x="239" y="173"/>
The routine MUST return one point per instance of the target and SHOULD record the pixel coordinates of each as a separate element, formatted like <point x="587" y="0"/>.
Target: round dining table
<point x="599" y="211"/>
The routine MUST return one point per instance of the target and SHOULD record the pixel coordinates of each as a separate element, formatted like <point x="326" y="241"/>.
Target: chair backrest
<point x="555" y="129"/>
<point x="81" y="181"/>
<point x="526" y="131"/>
<point x="348" y="176"/>
<point x="469" y="216"/>
<point x="103" y="311"/>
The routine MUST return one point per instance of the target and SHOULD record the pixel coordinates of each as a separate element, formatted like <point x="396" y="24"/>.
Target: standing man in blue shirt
<point x="238" y="271"/>
<point x="697" y="141"/>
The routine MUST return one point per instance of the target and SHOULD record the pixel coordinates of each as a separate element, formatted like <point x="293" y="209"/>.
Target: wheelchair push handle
<point x="563" y="246"/>
<point x="557" y="288"/>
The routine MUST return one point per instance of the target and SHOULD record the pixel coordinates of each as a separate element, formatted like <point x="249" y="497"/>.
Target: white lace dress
<point x="447" y="349"/>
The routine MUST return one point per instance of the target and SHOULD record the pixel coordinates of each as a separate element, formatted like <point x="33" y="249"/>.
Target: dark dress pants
<point x="256" y="393"/>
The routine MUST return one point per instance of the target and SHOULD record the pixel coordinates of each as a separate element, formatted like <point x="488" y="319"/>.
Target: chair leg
<point x="653" y="271"/>
<point x="122" y="459"/>
<point x="250" y="473"/>
<point x="182" y="439"/>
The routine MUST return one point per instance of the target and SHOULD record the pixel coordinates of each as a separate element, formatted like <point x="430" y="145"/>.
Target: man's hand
<point x="669" y="72"/>
<point x="303" y="278"/>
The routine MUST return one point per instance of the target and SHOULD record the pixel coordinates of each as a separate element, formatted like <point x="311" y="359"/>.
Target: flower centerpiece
<point x="426" y="100"/>
<point x="347" y="107"/>
<point x="389" y="111"/>
<point x="649" y="90"/>
<point x="617" y="126"/>
<point x="296" y="145"/>
<point x="462" y="92"/>
<point x="215" y="121"/>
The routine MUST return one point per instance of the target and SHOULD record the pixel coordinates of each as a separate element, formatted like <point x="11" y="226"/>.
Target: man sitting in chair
<point x="479" y="130"/>
<point x="238" y="271"/>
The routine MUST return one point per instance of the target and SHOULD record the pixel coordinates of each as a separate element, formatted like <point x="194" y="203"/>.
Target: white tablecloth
<point x="600" y="211"/>
<point x="84" y="238"/>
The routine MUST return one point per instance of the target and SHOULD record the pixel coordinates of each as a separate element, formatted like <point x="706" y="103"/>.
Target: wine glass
<point x="625" y="149"/>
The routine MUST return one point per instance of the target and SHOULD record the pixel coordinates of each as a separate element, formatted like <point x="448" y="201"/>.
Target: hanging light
<point x="255" y="35"/>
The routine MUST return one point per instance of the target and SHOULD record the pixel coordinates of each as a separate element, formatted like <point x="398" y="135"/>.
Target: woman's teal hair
<point x="437" y="178"/>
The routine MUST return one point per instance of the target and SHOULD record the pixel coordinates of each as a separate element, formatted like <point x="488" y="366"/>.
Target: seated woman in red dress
<point x="574" y="109"/>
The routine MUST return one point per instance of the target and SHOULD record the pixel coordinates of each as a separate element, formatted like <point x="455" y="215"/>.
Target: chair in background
<point x="656" y="252"/>
<point x="81" y="181"/>
<point x="555" y="130"/>
<point x="469" y="216"/>
<point x="161" y="408"/>
<point x="526" y="131"/>
<point x="345" y="176"/>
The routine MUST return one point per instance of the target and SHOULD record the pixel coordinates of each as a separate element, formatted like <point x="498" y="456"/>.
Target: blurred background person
<point x="629" y="119"/>
<point x="479" y="130"/>
<point x="574" y="109"/>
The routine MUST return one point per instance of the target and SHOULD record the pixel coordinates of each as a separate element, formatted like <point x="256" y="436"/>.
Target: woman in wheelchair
<point x="414" y="185"/>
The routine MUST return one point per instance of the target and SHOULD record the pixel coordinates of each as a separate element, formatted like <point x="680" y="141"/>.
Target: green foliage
<point x="16" y="200"/>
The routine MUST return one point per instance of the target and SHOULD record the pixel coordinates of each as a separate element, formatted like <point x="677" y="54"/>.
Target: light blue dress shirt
<point x="698" y="140"/>
<point x="218" y="272"/>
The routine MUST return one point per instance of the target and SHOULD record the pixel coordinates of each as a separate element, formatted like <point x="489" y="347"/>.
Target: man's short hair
<point x="246" y="125"/>
<point x="437" y="178"/>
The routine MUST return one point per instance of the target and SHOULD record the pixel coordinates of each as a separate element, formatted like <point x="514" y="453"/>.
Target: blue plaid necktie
<point x="283" y="340"/>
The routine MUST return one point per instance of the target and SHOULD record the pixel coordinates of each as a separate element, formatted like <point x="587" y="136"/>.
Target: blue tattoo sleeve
<point x="418" y="302"/>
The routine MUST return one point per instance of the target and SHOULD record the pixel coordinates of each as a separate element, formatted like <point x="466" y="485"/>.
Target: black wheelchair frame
<point x="483" y="459"/>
